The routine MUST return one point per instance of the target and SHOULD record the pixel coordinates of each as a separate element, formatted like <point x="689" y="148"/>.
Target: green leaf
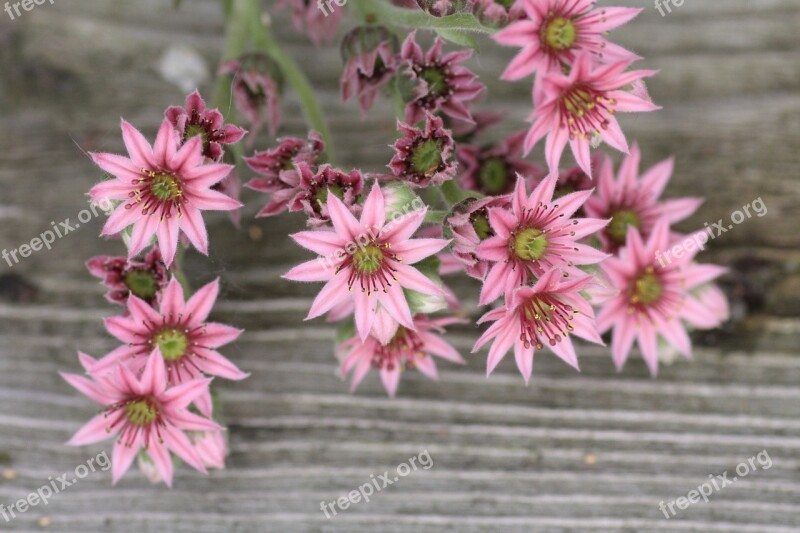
<point x="459" y="37"/>
<point x="346" y="330"/>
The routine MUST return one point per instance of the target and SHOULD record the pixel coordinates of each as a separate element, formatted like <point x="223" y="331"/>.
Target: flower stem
<point x="264" y="40"/>
<point x="236" y="36"/>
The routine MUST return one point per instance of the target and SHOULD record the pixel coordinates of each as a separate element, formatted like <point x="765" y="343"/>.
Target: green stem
<point x="264" y="40"/>
<point x="381" y="12"/>
<point x="236" y="37"/>
<point x="178" y="271"/>
<point x="454" y="194"/>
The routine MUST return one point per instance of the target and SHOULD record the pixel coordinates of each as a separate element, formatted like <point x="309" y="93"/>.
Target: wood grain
<point x="591" y="451"/>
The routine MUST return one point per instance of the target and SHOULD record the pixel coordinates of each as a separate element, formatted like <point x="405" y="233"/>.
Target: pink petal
<point x="120" y="219"/>
<point x="313" y="270"/>
<point x="122" y="456"/>
<point x="193" y="226"/>
<point x="415" y="250"/>
<point x="96" y="430"/>
<point x="333" y="293"/>
<point x="172" y="302"/>
<point x="524" y="358"/>
<point x="649" y="346"/>
<point x="179" y="443"/>
<point x="179" y="397"/>
<point x="438" y="346"/>
<point x="373" y="215"/>
<point x="214" y="363"/>
<point x="390" y="379"/>
<point x="343" y="220"/>
<point x="166" y="144"/>
<point x="325" y="243"/>
<point x="394" y="301"/>
<point x="365" y="310"/>
<point x="216" y="335"/>
<point x="624" y="334"/>
<point x="505" y="339"/>
<point x="411" y="278"/>
<point x="161" y="458"/>
<point x="202" y="302"/>
<point x="138" y="148"/>
<point x="125" y="330"/>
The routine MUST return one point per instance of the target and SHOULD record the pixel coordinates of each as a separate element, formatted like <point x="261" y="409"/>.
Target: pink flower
<point x="633" y="201"/>
<point x="543" y="315"/>
<point x="231" y="186"/>
<point x="441" y="8"/>
<point x="278" y="170"/>
<point x="256" y="90"/>
<point x="312" y="194"/>
<point x="367" y="261"/>
<point x="655" y="300"/>
<point x="497" y="13"/>
<point x="407" y="349"/>
<point x="143" y="413"/>
<point x="469" y="224"/>
<point x="211" y="447"/>
<point x="144" y="278"/>
<point x="441" y="82"/>
<point x="195" y="119"/>
<point x="426" y="157"/>
<point x="371" y="62"/>
<point x="578" y="107"/>
<point x="180" y="333"/>
<point x="163" y="189"/>
<point x="493" y="169"/>
<point x="556" y="31"/>
<point x="319" y="20"/>
<point x="536" y="235"/>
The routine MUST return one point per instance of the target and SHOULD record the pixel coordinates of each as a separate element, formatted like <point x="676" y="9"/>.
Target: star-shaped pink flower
<point x="367" y="261"/>
<point x="163" y="189"/>
<point x="142" y="412"/>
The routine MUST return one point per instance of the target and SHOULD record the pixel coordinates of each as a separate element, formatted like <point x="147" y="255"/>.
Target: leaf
<point x="460" y="38"/>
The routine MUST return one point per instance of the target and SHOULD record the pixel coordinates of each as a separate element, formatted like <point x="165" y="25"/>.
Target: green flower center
<point x="530" y="244"/>
<point x="427" y="157"/>
<point x="196" y="129"/>
<point x="647" y="289"/>
<point x="559" y="33"/>
<point x="436" y="80"/>
<point x="172" y="342"/>
<point x="578" y="101"/>
<point x="141" y="283"/>
<point x="480" y="223"/>
<point x="140" y="412"/>
<point x="368" y="259"/>
<point x="618" y="227"/>
<point x="165" y="187"/>
<point x="321" y="196"/>
<point x="493" y="175"/>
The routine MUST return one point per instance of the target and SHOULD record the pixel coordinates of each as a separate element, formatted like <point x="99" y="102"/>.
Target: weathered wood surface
<point x="573" y="452"/>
